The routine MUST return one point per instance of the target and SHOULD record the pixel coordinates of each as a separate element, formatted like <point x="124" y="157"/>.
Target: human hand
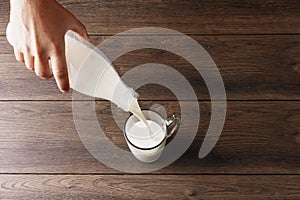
<point x="36" y="31"/>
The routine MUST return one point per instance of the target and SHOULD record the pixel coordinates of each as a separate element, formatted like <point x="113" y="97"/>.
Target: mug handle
<point x="173" y="121"/>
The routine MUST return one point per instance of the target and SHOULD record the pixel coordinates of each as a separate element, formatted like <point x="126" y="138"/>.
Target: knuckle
<point x="19" y="59"/>
<point x="30" y="67"/>
<point x="41" y="74"/>
<point x="48" y="76"/>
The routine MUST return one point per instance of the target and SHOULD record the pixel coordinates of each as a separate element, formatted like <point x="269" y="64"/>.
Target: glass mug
<point x="147" y="147"/>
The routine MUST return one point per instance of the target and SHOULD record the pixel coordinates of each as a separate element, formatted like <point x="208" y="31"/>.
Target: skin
<point x="36" y="31"/>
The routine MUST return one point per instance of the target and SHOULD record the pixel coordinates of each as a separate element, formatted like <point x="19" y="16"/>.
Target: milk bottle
<point x="91" y="73"/>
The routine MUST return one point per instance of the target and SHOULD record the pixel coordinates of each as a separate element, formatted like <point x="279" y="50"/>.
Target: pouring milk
<point x="88" y="67"/>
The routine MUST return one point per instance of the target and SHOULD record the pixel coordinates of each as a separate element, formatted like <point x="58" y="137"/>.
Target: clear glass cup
<point x="146" y="153"/>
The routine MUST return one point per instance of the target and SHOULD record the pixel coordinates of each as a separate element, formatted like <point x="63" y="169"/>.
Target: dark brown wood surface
<point x="188" y="16"/>
<point x="256" y="46"/>
<point x="148" y="187"/>
<point x="258" y="138"/>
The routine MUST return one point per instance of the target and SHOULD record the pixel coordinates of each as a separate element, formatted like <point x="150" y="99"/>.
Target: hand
<point x="36" y="31"/>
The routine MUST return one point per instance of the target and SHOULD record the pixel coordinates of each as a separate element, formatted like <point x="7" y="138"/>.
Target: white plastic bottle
<point x="91" y="73"/>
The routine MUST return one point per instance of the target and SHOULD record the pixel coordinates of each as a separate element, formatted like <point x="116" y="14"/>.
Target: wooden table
<point x="255" y="44"/>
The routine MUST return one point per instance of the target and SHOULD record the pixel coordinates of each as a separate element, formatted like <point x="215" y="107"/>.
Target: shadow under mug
<point x="150" y="153"/>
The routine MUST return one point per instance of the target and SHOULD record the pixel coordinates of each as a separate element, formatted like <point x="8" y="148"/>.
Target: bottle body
<point x="91" y="73"/>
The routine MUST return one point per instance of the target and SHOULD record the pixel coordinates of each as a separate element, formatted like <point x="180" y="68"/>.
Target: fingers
<point x="29" y="61"/>
<point x="19" y="55"/>
<point x="60" y="70"/>
<point x="40" y="64"/>
<point x="41" y="67"/>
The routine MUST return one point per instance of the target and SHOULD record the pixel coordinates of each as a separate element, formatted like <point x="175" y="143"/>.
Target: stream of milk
<point x="135" y="109"/>
<point x="91" y="73"/>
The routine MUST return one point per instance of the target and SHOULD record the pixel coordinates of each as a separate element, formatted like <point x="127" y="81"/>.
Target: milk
<point x="140" y="136"/>
<point x="147" y="146"/>
<point x="135" y="109"/>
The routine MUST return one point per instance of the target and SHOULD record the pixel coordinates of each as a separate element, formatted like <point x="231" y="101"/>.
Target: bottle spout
<point x="125" y="99"/>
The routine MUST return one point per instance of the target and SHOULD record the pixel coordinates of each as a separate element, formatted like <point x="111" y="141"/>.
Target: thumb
<point x="79" y="28"/>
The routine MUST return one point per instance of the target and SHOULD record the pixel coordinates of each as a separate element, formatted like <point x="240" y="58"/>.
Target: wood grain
<point x="252" y="68"/>
<point x="149" y="187"/>
<point x="258" y="137"/>
<point x="256" y="46"/>
<point x="189" y="17"/>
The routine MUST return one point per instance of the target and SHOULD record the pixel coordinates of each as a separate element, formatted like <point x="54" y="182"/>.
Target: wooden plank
<point x="258" y="137"/>
<point x="189" y="17"/>
<point x="148" y="187"/>
<point x="252" y="68"/>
